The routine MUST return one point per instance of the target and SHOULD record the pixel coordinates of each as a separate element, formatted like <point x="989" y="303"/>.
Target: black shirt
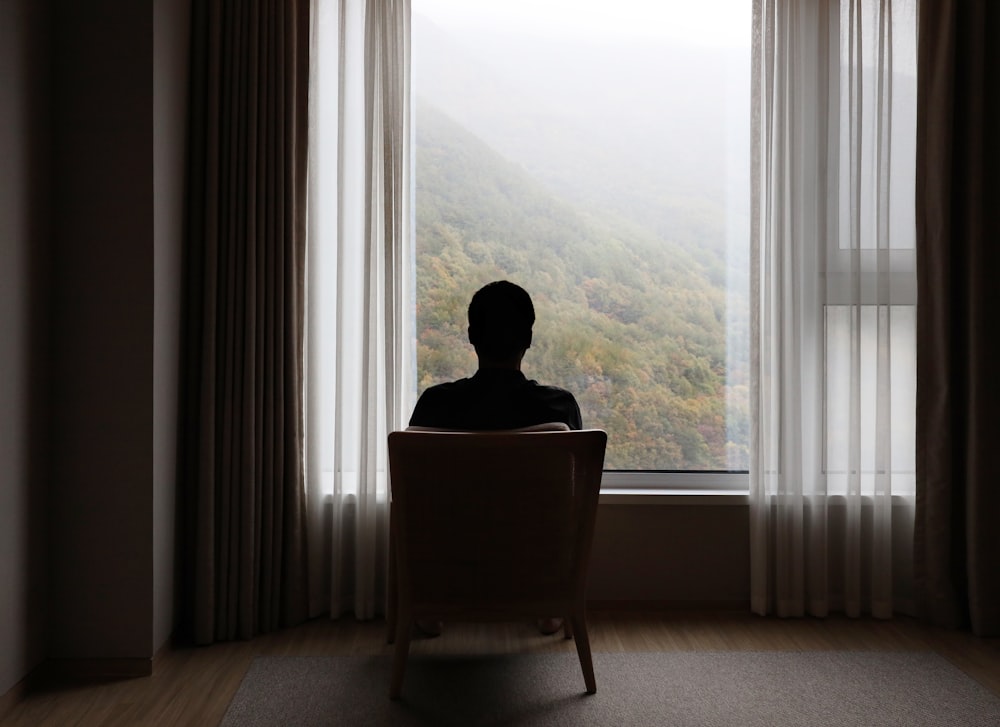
<point x="495" y="399"/>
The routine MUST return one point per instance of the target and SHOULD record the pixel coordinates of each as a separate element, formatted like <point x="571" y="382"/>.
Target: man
<point x="498" y="396"/>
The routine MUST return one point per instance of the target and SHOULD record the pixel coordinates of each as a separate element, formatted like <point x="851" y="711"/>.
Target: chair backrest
<point x="544" y="427"/>
<point x="494" y="518"/>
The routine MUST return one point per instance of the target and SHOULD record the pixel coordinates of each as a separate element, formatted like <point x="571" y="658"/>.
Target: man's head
<point x="500" y="319"/>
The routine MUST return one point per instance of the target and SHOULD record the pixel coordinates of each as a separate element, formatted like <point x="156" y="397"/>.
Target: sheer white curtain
<point x="359" y="382"/>
<point x="834" y="291"/>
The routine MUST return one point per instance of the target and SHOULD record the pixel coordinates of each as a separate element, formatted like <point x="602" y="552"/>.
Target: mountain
<point x="633" y="324"/>
<point x="652" y="133"/>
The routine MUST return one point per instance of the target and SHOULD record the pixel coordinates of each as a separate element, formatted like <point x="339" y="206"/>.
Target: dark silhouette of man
<point x="498" y="396"/>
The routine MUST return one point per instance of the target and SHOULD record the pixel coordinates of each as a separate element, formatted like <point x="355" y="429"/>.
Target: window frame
<point x="674" y="482"/>
<point x="681" y="482"/>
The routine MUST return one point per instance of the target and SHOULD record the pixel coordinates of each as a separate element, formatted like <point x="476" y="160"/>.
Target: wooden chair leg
<point x="583" y="651"/>
<point x="391" y="615"/>
<point x="568" y="628"/>
<point x="392" y="593"/>
<point x="401" y="653"/>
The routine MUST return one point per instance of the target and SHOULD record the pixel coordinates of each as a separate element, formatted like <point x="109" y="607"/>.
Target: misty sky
<point x="719" y="23"/>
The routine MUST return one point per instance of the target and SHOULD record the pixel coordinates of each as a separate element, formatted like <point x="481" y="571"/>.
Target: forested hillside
<point x="630" y="321"/>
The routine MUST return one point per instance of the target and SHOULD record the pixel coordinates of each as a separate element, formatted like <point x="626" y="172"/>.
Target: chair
<point x="492" y="526"/>
<point x="390" y="615"/>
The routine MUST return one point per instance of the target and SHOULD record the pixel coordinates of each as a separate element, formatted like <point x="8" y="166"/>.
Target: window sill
<point x="624" y="496"/>
<point x="674" y="488"/>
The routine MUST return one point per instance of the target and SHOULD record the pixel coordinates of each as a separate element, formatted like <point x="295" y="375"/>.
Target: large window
<point x="597" y="154"/>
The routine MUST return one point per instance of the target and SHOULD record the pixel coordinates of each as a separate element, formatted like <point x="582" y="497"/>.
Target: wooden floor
<point x="193" y="686"/>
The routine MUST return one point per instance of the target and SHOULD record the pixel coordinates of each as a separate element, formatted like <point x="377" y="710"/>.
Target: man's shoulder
<point x="447" y="387"/>
<point x="444" y="394"/>
<point x="555" y="392"/>
<point x="560" y="404"/>
<point x="494" y="402"/>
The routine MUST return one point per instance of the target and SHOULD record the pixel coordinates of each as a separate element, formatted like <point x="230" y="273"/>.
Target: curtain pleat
<point x="833" y="291"/>
<point x="360" y="323"/>
<point x="242" y="524"/>
<point x="957" y="541"/>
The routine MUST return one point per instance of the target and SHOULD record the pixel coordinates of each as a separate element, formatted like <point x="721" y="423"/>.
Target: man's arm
<point x="574" y="416"/>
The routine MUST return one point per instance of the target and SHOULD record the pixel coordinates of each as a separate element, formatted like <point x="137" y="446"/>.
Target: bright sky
<point x="720" y="23"/>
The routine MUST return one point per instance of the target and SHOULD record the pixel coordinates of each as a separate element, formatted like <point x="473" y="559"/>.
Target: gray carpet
<point x="769" y="689"/>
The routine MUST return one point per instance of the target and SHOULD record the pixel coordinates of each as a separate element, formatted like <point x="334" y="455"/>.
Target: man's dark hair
<point x="500" y="319"/>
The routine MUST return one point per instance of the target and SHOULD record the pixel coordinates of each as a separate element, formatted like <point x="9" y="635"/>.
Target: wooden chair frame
<point x="491" y="526"/>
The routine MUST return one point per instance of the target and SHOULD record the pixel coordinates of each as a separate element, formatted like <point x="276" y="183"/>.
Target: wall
<point x="171" y="30"/>
<point x="92" y="137"/>
<point x="22" y="269"/>
<point x="694" y="552"/>
<point x="100" y="591"/>
<point x="671" y="554"/>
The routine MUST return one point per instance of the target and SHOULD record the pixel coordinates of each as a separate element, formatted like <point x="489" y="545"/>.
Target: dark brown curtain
<point x="957" y="541"/>
<point x="241" y="509"/>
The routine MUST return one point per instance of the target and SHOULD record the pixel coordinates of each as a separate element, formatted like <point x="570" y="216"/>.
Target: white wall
<point x="171" y="31"/>
<point x="22" y="565"/>
<point x="92" y="153"/>
<point x="671" y="554"/>
<point x="100" y="508"/>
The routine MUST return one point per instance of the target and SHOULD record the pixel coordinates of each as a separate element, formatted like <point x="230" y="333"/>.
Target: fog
<point x="618" y="121"/>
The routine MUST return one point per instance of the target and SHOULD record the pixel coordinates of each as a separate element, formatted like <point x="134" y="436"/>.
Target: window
<point x="598" y="154"/>
<point x="870" y="282"/>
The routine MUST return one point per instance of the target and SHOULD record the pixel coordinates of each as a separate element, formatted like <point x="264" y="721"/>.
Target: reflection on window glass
<point x="598" y="155"/>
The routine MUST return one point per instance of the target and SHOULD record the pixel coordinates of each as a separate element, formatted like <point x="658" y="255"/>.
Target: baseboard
<point x="12" y="697"/>
<point x="95" y="669"/>
<point x="56" y="670"/>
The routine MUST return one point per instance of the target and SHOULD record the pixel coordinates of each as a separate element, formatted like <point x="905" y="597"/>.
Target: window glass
<point x="597" y="154"/>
